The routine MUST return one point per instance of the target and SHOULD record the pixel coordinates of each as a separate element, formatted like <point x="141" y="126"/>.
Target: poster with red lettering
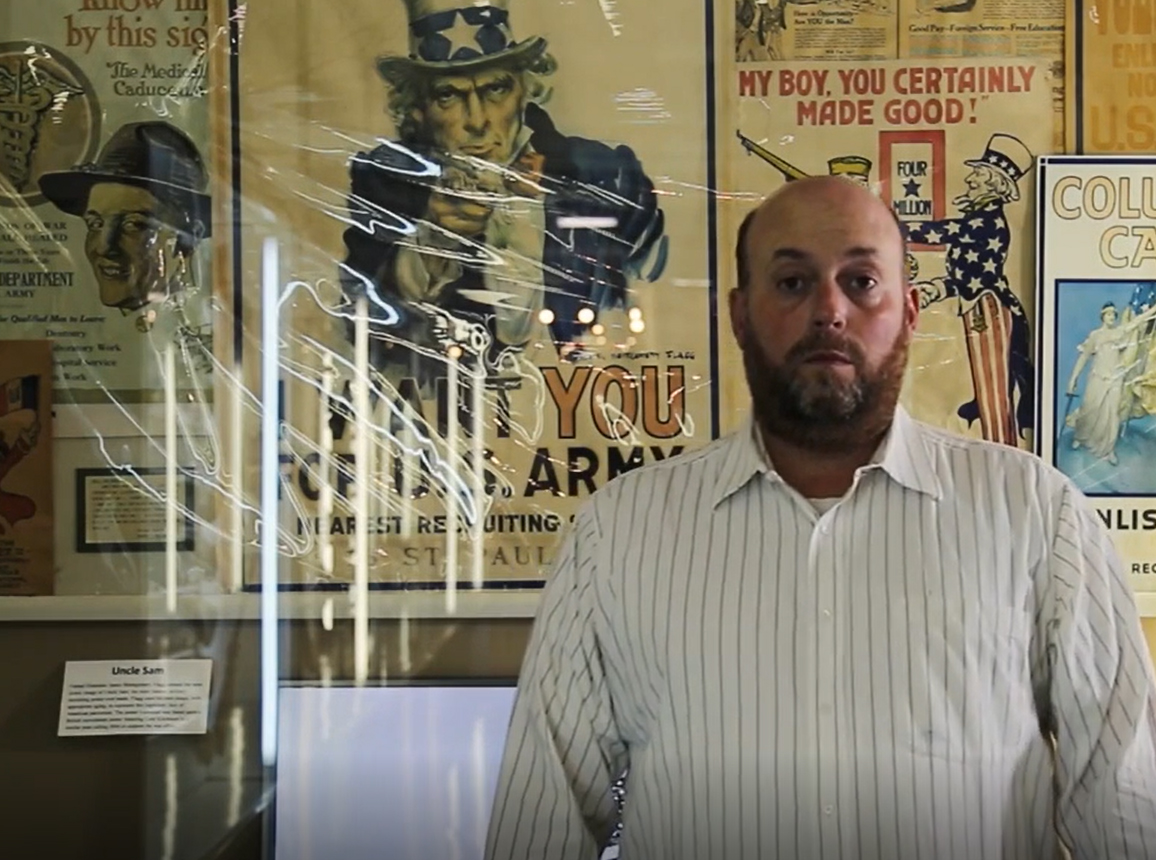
<point x="490" y="229"/>
<point x="951" y="146"/>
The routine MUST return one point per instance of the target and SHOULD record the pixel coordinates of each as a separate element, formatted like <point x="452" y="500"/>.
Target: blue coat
<point x="583" y="267"/>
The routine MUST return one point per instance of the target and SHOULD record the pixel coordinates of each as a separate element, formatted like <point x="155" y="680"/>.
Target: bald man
<point x="838" y="632"/>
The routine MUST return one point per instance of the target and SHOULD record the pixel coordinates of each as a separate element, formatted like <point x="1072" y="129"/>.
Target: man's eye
<point x="445" y="98"/>
<point x="862" y="283"/>
<point x="791" y="284"/>
<point x="94" y="223"/>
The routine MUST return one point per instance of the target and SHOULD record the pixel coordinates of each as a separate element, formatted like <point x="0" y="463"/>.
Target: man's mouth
<point x="827" y="356"/>
<point x="112" y="270"/>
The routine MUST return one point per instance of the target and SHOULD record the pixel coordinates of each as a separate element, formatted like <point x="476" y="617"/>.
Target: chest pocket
<point x="971" y="691"/>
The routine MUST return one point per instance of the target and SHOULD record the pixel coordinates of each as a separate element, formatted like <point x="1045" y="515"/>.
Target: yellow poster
<point x="1033" y="29"/>
<point x="771" y="30"/>
<point x="489" y="223"/>
<point x="1111" y="74"/>
<point x="950" y="145"/>
<point x="104" y="189"/>
<point x="1097" y="323"/>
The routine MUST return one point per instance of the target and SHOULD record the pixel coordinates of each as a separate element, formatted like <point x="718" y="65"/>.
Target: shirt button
<point x="826" y="613"/>
<point x="828" y="809"/>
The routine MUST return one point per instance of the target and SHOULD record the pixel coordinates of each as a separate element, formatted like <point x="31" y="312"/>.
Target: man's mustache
<point x="825" y="342"/>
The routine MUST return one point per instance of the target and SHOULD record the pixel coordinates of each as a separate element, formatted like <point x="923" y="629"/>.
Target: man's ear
<point x="910" y="306"/>
<point x="737" y="302"/>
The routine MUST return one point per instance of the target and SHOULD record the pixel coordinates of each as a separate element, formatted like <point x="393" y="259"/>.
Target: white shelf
<point x="292" y="605"/>
<point x="301" y="605"/>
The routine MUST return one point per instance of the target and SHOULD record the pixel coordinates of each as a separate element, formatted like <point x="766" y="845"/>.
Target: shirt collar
<point x="903" y="455"/>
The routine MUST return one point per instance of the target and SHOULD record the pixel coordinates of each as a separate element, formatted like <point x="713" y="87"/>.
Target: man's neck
<point x="817" y="474"/>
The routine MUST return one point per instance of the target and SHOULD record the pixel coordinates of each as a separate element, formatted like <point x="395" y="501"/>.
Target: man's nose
<point x="475" y="113"/>
<point x="829" y="308"/>
<point x="107" y="240"/>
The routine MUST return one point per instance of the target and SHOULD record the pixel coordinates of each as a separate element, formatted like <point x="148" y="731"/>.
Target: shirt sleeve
<point x="1102" y="695"/>
<point x="563" y="750"/>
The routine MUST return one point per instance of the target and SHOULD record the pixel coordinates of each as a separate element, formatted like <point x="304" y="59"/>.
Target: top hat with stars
<point x="454" y="36"/>
<point x="1006" y="154"/>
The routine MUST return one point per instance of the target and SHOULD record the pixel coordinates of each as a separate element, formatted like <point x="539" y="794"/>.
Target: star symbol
<point x="975" y="222"/>
<point x="966" y="239"/>
<point x="953" y="251"/>
<point x="910" y="188"/>
<point x="933" y="237"/>
<point x="462" y="35"/>
<point x="972" y="256"/>
<point x="975" y="284"/>
<point x="952" y="228"/>
<point x="995" y="243"/>
<point x="989" y="266"/>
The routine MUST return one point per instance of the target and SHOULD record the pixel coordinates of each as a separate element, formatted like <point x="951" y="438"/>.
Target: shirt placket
<point x="822" y="572"/>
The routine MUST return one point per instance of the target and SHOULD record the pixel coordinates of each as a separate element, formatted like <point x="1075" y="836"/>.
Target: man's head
<point x="132" y="244"/>
<point x="145" y="204"/>
<point x="823" y="313"/>
<point x="466" y="80"/>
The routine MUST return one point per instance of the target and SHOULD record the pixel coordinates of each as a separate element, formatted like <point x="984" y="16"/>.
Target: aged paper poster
<point x="1097" y="323"/>
<point x="950" y="145"/>
<point x="26" y="512"/>
<point x="1032" y="29"/>
<point x="494" y="272"/>
<point x="771" y="30"/>
<point x="104" y="195"/>
<point x="1111" y="72"/>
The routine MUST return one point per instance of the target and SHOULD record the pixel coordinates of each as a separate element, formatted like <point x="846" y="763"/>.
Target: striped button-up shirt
<point x="876" y="681"/>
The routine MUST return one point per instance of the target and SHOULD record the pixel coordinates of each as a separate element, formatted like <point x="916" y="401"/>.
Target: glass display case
<point x="320" y="322"/>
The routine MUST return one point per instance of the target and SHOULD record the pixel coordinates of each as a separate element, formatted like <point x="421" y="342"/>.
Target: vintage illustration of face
<point x="131" y="248"/>
<point x="478" y="115"/>
<point x="1108" y="315"/>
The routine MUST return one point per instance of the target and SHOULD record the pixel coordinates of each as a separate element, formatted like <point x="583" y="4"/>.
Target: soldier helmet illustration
<point x="155" y="156"/>
<point x="455" y="36"/>
<point x="1007" y="155"/>
<point x="850" y="166"/>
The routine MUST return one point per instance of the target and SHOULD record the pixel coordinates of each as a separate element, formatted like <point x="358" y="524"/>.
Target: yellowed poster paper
<point x="1033" y="29"/>
<point x="1097" y="323"/>
<point x="26" y="512"/>
<point x="951" y="146"/>
<point x="772" y="30"/>
<point x="104" y="189"/>
<point x="1111" y="74"/>
<point x="494" y="288"/>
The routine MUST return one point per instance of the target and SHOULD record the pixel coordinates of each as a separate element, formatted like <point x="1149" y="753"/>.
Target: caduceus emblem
<point x="26" y="94"/>
<point x="36" y="84"/>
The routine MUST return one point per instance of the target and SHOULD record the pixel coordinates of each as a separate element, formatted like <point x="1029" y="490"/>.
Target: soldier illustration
<point x="759" y="28"/>
<point x="145" y="204"/>
<point x="483" y="222"/>
<point x="994" y="322"/>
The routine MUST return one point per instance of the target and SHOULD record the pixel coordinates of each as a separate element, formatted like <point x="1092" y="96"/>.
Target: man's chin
<point x="118" y="294"/>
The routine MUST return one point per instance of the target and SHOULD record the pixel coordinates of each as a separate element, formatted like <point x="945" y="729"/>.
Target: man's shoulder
<point x="996" y="461"/>
<point x="686" y="472"/>
<point x="584" y="155"/>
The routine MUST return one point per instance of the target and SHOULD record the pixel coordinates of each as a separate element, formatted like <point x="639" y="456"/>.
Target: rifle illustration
<point x="782" y="165"/>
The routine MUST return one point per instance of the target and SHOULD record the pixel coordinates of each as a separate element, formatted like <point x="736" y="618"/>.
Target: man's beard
<point x="822" y="412"/>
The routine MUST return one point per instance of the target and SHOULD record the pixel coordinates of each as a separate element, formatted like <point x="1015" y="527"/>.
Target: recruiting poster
<point x="493" y="287"/>
<point x="104" y="189"/>
<point x="1097" y="323"/>
<point x="950" y="145"/>
<point x="26" y="512"/>
<point x="1111" y="76"/>
<point x="990" y="28"/>
<point x="771" y="30"/>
